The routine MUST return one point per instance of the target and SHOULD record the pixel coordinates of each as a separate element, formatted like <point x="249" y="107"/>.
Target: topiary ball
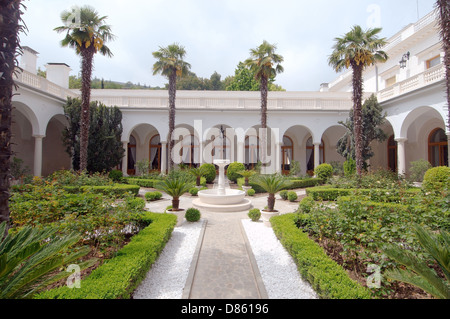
<point x="292" y="196"/>
<point x="251" y="192"/>
<point x="192" y="215"/>
<point x="324" y="171"/>
<point x="210" y="172"/>
<point x="254" y="214"/>
<point x="233" y="169"/>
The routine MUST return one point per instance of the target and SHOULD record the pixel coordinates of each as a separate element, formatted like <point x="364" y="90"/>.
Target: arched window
<point x="287" y="153"/>
<point x="222" y="148"/>
<point x="155" y="153"/>
<point x="438" y="148"/>
<point x="392" y="154"/>
<point x="251" y="151"/>
<point x="190" y="153"/>
<point x="131" y="169"/>
<point x="310" y="155"/>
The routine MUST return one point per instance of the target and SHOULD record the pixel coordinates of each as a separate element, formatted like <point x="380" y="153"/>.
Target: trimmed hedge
<point x="147" y="183"/>
<point x="117" y="189"/>
<point x="325" y="193"/>
<point x="295" y="184"/>
<point x="328" y="279"/>
<point x="118" y="277"/>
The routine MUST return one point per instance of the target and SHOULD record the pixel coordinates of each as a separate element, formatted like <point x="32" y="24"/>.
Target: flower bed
<point x="118" y="277"/>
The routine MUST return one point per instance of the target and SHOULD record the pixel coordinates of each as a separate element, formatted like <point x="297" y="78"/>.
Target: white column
<point x="125" y="159"/>
<point x="316" y="155"/>
<point x="241" y="152"/>
<point x="278" y="158"/>
<point x="163" y="157"/>
<point x="401" y="156"/>
<point x="38" y="155"/>
<point x="448" y="148"/>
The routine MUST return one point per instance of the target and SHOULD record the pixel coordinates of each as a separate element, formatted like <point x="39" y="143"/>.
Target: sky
<point x="218" y="34"/>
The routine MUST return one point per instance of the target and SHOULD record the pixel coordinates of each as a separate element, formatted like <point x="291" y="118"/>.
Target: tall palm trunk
<point x="357" y="110"/>
<point x="10" y="17"/>
<point x="264" y="93"/>
<point x="86" y="74"/>
<point x="444" y="17"/>
<point x="172" y="97"/>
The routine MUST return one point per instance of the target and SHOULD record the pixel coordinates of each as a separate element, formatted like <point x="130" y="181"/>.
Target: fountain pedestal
<point x="222" y="199"/>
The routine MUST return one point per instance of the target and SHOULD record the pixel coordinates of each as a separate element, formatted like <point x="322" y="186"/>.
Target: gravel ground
<point x="167" y="278"/>
<point x="276" y="266"/>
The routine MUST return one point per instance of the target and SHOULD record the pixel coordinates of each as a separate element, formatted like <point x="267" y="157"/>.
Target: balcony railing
<point x="418" y="81"/>
<point x="42" y="84"/>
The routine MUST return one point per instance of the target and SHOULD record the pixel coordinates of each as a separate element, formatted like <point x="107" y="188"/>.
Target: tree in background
<point x="87" y="33"/>
<point x="11" y="25"/>
<point x="170" y="64"/>
<point x="372" y="119"/>
<point x="358" y="49"/>
<point x="105" y="149"/>
<point x="443" y="7"/>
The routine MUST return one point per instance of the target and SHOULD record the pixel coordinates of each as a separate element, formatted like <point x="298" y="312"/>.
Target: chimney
<point x="58" y="73"/>
<point x="29" y="60"/>
<point x="324" y="87"/>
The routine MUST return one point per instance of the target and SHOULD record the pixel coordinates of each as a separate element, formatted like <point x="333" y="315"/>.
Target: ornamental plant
<point x="254" y="214"/>
<point x="272" y="184"/>
<point x="192" y="215"/>
<point x="233" y="171"/>
<point x="324" y="171"/>
<point x="174" y="187"/>
<point x="210" y="172"/>
<point x="246" y="174"/>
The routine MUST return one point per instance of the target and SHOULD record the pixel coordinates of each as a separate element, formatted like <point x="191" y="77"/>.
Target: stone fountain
<point x="222" y="199"/>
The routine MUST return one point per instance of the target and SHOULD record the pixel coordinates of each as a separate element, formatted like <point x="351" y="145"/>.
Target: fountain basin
<point x="232" y="201"/>
<point x="230" y="197"/>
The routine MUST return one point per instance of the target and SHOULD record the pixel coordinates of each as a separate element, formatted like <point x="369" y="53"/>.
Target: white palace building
<point x="412" y="94"/>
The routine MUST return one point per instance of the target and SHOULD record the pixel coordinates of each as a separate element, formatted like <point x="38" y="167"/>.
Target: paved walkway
<point x="223" y="266"/>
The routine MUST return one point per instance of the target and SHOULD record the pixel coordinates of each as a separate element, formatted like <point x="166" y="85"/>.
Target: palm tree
<point x="175" y="187"/>
<point x="10" y="27"/>
<point x="86" y="32"/>
<point x="265" y="64"/>
<point x="170" y="64"/>
<point x="272" y="184"/>
<point x="29" y="258"/>
<point x="358" y="49"/>
<point x="443" y="7"/>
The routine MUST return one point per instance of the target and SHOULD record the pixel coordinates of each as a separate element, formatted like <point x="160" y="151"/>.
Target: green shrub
<point x="119" y="277"/>
<point x="437" y="178"/>
<point x="324" y="171"/>
<point x="306" y="204"/>
<point x="304" y="183"/>
<point x="328" y="279"/>
<point x="209" y="172"/>
<point x="116" y="189"/>
<point x="116" y="175"/>
<point x="349" y="167"/>
<point x="327" y="194"/>
<point x="251" y="192"/>
<point x="284" y="194"/>
<point x="193" y="191"/>
<point x="147" y="183"/>
<point x="418" y="170"/>
<point x="254" y="214"/>
<point x="292" y="196"/>
<point x="153" y="196"/>
<point x="233" y="169"/>
<point x="136" y="203"/>
<point x="192" y="215"/>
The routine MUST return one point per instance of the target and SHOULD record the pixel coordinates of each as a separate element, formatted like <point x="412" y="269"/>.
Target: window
<point x="433" y="62"/>
<point x="438" y="148"/>
<point x="391" y="81"/>
<point x="155" y="153"/>
<point x="131" y="169"/>
<point x="251" y="151"/>
<point x="191" y="151"/>
<point x="287" y="151"/>
<point x="310" y="155"/>
<point x="392" y="154"/>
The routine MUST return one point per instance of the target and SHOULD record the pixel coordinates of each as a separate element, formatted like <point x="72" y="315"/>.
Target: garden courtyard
<point x="335" y="236"/>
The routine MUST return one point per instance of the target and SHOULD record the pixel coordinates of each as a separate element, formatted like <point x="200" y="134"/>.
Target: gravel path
<point x="167" y="278"/>
<point x="278" y="270"/>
